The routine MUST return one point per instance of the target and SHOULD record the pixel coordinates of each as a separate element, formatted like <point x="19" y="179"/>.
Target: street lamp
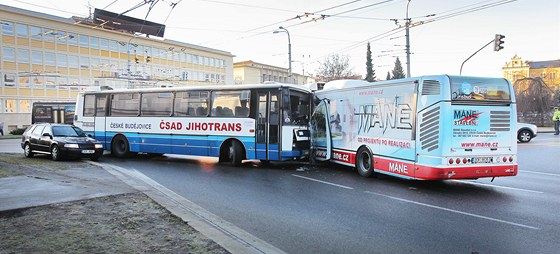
<point x="289" y="50"/>
<point x="407" y="42"/>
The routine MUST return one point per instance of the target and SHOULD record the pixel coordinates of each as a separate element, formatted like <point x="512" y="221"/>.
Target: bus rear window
<point x="469" y="88"/>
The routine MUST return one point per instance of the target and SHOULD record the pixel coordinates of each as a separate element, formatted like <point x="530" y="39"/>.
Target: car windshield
<point x="65" y="131"/>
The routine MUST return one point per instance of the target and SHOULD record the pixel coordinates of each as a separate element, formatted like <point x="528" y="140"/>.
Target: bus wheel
<point x="235" y="155"/>
<point x="120" y="147"/>
<point x="364" y="162"/>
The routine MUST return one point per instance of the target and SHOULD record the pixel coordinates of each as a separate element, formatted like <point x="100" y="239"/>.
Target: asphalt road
<point x="331" y="209"/>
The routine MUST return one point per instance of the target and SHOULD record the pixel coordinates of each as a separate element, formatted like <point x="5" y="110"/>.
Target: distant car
<point x="60" y="141"/>
<point x="526" y="132"/>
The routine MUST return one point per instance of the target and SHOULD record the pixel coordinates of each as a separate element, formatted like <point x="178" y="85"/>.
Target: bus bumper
<point x="433" y="173"/>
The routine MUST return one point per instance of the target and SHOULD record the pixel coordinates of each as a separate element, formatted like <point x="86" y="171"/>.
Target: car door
<point x="35" y="136"/>
<point x="45" y="139"/>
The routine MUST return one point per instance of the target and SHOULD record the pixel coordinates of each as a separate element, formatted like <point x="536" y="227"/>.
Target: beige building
<point x="51" y="58"/>
<point x="249" y="72"/>
<point x="549" y="71"/>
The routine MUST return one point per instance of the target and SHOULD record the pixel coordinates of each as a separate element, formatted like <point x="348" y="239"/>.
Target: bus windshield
<point x="470" y="88"/>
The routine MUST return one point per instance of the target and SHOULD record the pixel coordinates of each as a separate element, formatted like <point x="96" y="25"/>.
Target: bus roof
<point x="342" y="84"/>
<point x="212" y="88"/>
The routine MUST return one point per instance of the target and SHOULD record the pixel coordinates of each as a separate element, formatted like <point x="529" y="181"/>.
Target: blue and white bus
<point x="267" y="122"/>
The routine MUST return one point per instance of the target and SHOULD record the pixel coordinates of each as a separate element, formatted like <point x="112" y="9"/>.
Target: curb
<point x="227" y="235"/>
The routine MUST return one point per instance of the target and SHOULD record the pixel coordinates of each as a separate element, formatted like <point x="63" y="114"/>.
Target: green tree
<point x="388" y="76"/>
<point x="398" y="70"/>
<point x="370" y="76"/>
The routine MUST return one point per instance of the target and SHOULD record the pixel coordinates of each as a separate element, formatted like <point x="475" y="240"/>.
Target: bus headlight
<point x="98" y="146"/>
<point x="71" y="146"/>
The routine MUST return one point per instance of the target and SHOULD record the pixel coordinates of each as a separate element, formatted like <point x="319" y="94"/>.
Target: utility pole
<point x="498" y="41"/>
<point x="407" y="42"/>
<point x="282" y="29"/>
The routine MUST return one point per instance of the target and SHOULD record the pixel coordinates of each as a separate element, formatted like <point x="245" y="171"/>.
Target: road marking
<point x="454" y="211"/>
<point x="497" y="186"/>
<point x="539" y="173"/>
<point x="319" y="181"/>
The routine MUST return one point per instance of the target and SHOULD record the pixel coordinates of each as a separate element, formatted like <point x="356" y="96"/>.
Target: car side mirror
<point x="89" y="135"/>
<point x="47" y="135"/>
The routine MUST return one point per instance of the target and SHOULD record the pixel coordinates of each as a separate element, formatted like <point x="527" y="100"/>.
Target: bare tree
<point x="334" y="67"/>
<point x="534" y="99"/>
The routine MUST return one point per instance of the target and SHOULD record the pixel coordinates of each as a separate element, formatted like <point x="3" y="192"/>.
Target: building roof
<point x="544" y="64"/>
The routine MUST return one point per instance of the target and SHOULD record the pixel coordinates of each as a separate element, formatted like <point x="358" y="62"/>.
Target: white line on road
<point x="497" y="186"/>
<point x="319" y="181"/>
<point x="454" y="211"/>
<point x="539" y="173"/>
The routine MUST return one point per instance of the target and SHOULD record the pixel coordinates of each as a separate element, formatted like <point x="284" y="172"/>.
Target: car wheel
<point x="55" y="153"/>
<point x="364" y="162"/>
<point x="27" y="150"/>
<point x="524" y="136"/>
<point x="120" y="147"/>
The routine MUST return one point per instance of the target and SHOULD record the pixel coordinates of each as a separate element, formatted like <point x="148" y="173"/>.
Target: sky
<point x="444" y="33"/>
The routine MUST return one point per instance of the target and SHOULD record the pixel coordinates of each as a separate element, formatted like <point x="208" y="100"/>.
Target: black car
<point x="60" y="141"/>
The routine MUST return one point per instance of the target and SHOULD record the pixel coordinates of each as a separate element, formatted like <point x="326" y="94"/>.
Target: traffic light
<point x="498" y="41"/>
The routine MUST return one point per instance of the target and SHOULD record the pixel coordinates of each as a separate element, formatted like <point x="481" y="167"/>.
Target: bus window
<point x="225" y="102"/>
<point x="89" y="105"/>
<point x="296" y="108"/>
<point x="156" y="104"/>
<point x="100" y="106"/>
<point x="191" y="104"/>
<point x="125" y="104"/>
<point x="470" y="88"/>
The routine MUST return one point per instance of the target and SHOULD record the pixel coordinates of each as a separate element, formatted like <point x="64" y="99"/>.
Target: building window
<point x="9" y="79"/>
<point x="61" y="60"/>
<point x="36" y="33"/>
<point x="94" y="42"/>
<point x="84" y="62"/>
<point x="72" y="39"/>
<point x="21" y="31"/>
<point x="114" y="46"/>
<point x="50" y="59"/>
<point x="8" y="54"/>
<point x="38" y="82"/>
<point x="49" y="34"/>
<point x="84" y="40"/>
<point x="23" y="82"/>
<point x="36" y="57"/>
<point x="51" y="83"/>
<point x="7" y="28"/>
<point x="73" y="61"/>
<point x="103" y="44"/>
<point x="10" y="106"/>
<point x="23" y="56"/>
<point x="24" y="106"/>
<point x="61" y="38"/>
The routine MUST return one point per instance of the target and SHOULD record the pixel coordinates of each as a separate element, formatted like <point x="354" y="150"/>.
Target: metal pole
<point x="289" y="51"/>
<point x="461" y="70"/>
<point x="407" y="42"/>
<point x="129" y="73"/>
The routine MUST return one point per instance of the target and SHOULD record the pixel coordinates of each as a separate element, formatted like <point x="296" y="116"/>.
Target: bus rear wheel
<point x="235" y="153"/>
<point x="120" y="147"/>
<point x="364" y="162"/>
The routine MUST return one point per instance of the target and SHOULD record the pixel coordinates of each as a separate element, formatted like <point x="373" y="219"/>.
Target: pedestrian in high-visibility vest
<point x="556" y="120"/>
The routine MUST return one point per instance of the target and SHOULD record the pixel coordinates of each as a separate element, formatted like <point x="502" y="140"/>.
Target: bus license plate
<point x="88" y="151"/>
<point x="482" y="160"/>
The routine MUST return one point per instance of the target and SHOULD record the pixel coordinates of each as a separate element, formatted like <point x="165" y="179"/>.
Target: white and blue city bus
<point x="267" y="122"/>
<point x="423" y="128"/>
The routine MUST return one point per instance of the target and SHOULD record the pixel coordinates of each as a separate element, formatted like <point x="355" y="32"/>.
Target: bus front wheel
<point x="364" y="162"/>
<point x="120" y="147"/>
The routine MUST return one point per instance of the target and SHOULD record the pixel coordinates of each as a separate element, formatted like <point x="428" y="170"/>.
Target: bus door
<point x="268" y="126"/>
<point x="321" y="142"/>
<point x="100" y="119"/>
